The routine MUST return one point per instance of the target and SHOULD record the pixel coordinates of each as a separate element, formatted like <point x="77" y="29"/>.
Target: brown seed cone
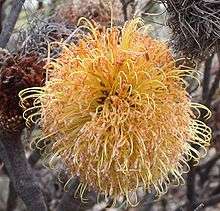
<point x="17" y="73"/>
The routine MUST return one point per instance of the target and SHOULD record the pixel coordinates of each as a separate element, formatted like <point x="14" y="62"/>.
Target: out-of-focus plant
<point x="100" y="11"/>
<point x="195" y="27"/>
<point x="16" y="74"/>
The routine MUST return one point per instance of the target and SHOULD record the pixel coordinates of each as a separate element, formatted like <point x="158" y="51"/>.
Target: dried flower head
<point x="96" y="10"/>
<point x="116" y="112"/>
<point x="25" y="67"/>
<point x="39" y="34"/>
<point x="195" y="26"/>
<point x="16" y="74"/>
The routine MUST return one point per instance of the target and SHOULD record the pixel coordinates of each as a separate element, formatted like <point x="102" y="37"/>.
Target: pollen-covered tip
<point x="116" y="112"/>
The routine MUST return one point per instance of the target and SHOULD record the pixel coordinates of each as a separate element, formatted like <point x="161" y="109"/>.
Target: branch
<point x="211" y="201"/>
<point x="215" y="84"/>
<point x="190" y="182"/>
<point x="205" y="169"/>
<point x="125" y="4"/>
<point x="12" y="198"/>
<point x="13" y="155"/>
<point x="214" y="87"/>
<point x="206" y="79"/>
<point x="1" y="13"/>
<point x="10" y="22"/>
<point x="12" y="195"/>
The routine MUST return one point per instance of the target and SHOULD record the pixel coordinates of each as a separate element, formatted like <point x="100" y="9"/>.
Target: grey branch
<point x="13" y="155"/>
<point x="10" y="22"/>
<point x="211" y="201"/>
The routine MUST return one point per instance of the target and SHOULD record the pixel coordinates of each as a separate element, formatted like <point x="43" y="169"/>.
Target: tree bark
<point x="10" y="22"/>
<point x="13" y="155"/>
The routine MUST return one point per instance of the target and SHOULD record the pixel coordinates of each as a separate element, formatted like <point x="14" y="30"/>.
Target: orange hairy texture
<point x="117" y="112"/>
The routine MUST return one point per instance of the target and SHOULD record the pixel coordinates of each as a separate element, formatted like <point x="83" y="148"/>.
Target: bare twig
<point x="12" y="197"/>
<point x="214" y="87"/>
<point x="206" y="168"/>
<point x="211" y="201"/>
<point x="191" y="194"/>
<point x="206" y="80"/>
<point x="10" y="22"/>
<point x="215" y="84"/>
<point x="125" y="4"/>
<point x="1" y="13"/>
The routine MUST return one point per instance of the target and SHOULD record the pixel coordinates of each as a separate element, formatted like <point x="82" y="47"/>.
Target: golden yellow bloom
<point x="117" y="113"/>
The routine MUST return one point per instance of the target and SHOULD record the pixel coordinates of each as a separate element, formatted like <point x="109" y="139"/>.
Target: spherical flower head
<point x="117" y="113"/>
